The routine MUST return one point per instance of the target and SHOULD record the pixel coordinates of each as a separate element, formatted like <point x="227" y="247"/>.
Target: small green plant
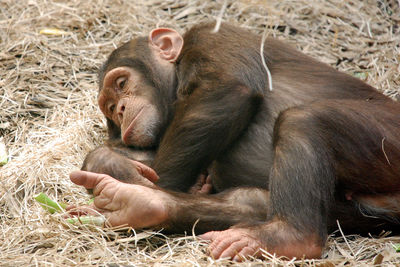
<point x="53" y="207"/>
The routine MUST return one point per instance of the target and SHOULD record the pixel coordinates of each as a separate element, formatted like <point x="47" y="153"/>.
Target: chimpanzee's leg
<point x="320" y="151"/>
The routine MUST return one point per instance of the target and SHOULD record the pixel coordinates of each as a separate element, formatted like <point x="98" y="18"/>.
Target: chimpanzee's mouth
<point x="129" y="131"/>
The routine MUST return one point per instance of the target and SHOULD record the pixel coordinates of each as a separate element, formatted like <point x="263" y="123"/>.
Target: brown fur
<point x="290" y="154"/>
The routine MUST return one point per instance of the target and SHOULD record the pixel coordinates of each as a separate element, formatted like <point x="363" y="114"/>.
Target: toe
<point x="233" y="249"/>
<point x="218" y="247"/>
<point x="245" y="253"/>
<point x="210" y="236"/>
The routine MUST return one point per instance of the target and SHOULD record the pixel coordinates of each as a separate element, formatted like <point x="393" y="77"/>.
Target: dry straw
<point x="49" y="118"/>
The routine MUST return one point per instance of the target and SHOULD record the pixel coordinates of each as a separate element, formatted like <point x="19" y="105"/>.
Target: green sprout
<point x="48" y="204"/>
<point x="53" y="207"/>
<point x="92" y="220"/>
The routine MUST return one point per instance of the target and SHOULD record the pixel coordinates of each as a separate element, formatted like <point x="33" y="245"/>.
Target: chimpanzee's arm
<point x="205" y="124"/>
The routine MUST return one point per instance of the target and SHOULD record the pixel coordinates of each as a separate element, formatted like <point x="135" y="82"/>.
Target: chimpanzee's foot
<point x="123" y="204"/>
<point x="236" y="244"/>
<point x="275" y="237"/>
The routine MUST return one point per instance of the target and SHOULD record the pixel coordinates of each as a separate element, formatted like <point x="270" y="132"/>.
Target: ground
<point x="49" y="118"/>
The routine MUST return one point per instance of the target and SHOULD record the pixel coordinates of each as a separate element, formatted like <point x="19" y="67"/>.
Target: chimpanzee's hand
<point x="203" y="185"/>
<point x="105" y="160"/>
<point x="122" y="204"/>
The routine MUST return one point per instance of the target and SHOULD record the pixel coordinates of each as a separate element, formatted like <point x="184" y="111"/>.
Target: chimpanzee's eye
<point x="111" y="108"/>
<point x="121" y="82"/>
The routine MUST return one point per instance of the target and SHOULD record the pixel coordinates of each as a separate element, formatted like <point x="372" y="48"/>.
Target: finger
<point x="205" y="189"/>
<point x="146" y="171"/>
<point x="201" y="179"/>
<point x="87" y="179"/>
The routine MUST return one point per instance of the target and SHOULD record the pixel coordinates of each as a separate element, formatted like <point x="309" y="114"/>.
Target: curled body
<point x="285" y="164"/>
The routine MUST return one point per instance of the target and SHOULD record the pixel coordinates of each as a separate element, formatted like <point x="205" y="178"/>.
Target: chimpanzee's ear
<point x="168" y="43"/>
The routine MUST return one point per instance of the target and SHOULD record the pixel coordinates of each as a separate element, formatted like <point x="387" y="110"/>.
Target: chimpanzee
<point x="285" y="164"/>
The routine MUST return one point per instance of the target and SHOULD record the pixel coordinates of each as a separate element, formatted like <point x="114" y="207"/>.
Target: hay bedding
<point x="49" y="118"/>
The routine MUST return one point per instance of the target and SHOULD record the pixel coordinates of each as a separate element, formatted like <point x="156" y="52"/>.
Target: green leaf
<point x="92" y="220"/>
<point x="48" y="204"/>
